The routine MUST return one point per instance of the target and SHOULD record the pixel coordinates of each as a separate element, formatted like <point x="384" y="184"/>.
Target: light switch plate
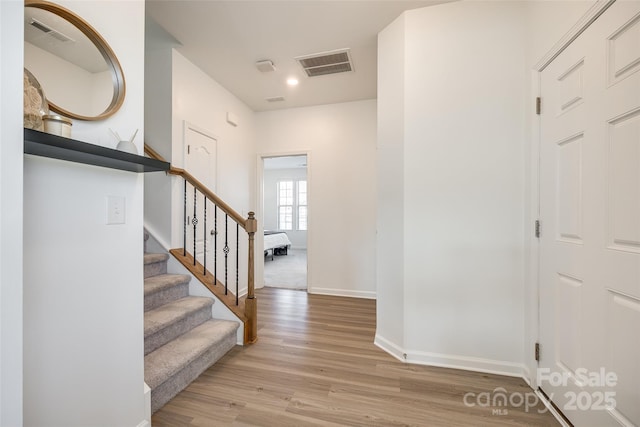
<point x="115" y="210"/>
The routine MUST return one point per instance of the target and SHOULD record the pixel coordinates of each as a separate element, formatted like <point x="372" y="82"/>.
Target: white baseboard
<point x="466" y="363"/>
<point x="391" y="348"/>
<point x="526" y="375"/>
<point x="147" y="407"/>
<point x="342" y="292"/>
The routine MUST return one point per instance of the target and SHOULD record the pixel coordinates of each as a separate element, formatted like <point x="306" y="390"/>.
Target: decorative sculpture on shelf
<point x="35" y="103"/>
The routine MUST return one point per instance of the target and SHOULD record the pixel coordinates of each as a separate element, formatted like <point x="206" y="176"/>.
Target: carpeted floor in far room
<point x="286" y="271"/>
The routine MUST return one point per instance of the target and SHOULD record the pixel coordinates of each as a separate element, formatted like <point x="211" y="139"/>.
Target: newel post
<point x="251" y="307"/>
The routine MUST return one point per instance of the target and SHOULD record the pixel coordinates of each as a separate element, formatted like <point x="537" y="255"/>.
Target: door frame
<point x="532" y="306"/>
<point x="259" y="243"/>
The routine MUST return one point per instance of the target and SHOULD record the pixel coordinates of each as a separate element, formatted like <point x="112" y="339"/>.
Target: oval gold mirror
<point x="79" y="73"/>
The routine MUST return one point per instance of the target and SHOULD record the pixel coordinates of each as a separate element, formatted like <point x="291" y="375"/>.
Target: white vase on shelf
<point x="127" y="147"/>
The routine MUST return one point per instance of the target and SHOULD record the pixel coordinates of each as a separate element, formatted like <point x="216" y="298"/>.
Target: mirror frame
<point x="119" y="87"/>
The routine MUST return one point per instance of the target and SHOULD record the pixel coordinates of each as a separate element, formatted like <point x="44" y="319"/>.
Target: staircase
<point x="209" y="219"/>
<point x="181" y="340"/>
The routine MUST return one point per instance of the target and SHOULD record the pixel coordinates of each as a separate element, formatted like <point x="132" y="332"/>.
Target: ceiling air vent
<point x="50" y="31"/>
<point x="265" y="66"/>
<point x="275" y="99"/>
<point x="320" y="64"/>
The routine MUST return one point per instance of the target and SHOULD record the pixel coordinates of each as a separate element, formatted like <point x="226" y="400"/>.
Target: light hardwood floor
<point x="315" y="364"/>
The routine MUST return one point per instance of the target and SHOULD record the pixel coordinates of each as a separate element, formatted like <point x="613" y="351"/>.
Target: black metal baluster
<point x="184" y="228"/>
<point x="237" y="258"/>
<point x="226" y="251"/>
<point x="204" y="240"/>
<point x="215" y="244"/>
<point x="194" y="221"/>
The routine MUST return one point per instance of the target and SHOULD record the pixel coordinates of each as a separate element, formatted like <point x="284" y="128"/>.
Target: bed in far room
<point x="277" y="242"/>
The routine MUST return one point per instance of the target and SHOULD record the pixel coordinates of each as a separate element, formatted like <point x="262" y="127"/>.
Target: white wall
<point x="83" y="301"/>
<point x="340" y="140"/>
<point x="271" y="177"/>
<point x="463" y="184"/>
<point x="158" y="91"/>
<point x="11" y="187"/>
<point x="390" y="185"/>
<point x="470" y="290"/>
<point x="178" y="91"/>
<point x="201" y="101"/>
<point x="204" y="103"/>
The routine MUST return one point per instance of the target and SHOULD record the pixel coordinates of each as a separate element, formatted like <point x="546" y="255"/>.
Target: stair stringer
<point x="218" y="310"/>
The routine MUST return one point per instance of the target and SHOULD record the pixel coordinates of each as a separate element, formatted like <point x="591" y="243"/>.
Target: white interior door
<point x="201" y="151"/>
<point x="200" y="148"/>
<point x="590" y="216"/>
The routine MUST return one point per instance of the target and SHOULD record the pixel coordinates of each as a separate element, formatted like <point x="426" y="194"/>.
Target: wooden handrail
<point x="153" y="153"/>
<point x="200" y="187"/>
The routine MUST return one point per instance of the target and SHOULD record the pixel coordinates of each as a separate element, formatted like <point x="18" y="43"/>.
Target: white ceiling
<point x="226" y="38"/>
<point x="285" y="162"/>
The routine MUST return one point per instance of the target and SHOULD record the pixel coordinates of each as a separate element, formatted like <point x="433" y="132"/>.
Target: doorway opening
<point x="285" y="207"/>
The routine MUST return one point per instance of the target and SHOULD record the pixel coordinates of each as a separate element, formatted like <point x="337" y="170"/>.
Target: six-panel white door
<point x="590" y="215"/>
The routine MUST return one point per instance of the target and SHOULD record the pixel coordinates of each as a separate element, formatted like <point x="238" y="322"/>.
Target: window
<point x="302" y="205"/>
<point x="285" y="205"/>
<point x="292" y="206"/>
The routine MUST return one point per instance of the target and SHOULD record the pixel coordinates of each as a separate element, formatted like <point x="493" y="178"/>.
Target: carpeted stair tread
<point x="153" y="258"/>
<point x="167" y="361"/>
<point x="165" y="315"/>
<point x="181" y="340"/>
<point x="155" y="264"/>
<point x="165" y="281"/>
<point x="164" y="288"/>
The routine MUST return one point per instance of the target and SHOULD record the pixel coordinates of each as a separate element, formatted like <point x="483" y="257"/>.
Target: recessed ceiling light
<point x="292" y="81"/>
